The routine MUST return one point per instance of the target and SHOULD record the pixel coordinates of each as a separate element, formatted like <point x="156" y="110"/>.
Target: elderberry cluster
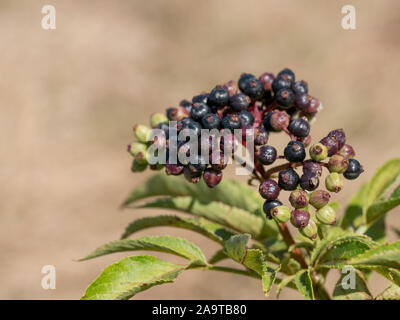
<point x="256" y="108"/>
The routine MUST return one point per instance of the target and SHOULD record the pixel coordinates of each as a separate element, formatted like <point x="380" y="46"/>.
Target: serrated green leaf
<point x="336" y="253"/>
<point x="235" y="246"/>
<point x="167" y="244"/>
<point x="387" y="255"/>
<point x="124" y="279"/>
<point x="359" y="292"/>
<point x="234" y="218"/>
<point x="304" y="284"/>
<point x="218" y="256"/>
<point x="255" y="260"/>
<point x="209" y="229"/>
<point x="377" y="231"/>
<point x="355" y="207"/>
<point x="390" y="293"/>
<point x="284" y="282"/>
<point x="289" y="265"/>
<point x="229" y="192"/>
<point x="382" y="179"/>
<point x="380" y="208"/>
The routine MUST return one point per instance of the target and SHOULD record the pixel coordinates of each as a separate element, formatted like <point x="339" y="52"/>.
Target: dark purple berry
<point x="244" y="79"/>
<point x="285" y="98"/>
<point x="218" y="97"/>
<point x="190" y="129"/>
<point x="289" y="74"/>
<point x="212" y="177"/>
<point x="260" y="136"/>
<point x="231" y="122"/>
<point x="312" y="107"/>
<point x="288" y="179"/>
<point x="269" y="205"/>
<point x="295" y="152"/>
<point x="269" y="189"/>
<point x="254" y="89"/>
<point x="279" y="120"/>
<point x="339" y="136"/>
<point x="312" y="167"/>
<point x="173" y="169"/>
<point x="267" y="79"/>
<point x="301" y="101"/>
<point x="299" y="127"/>
<point x="239" y="102"/>
<point x="230" y="86"/>
<point x="186" y="104"/>
<point x="300" y="218"/>
<point x="331" y="145"/>
<point x="218" y="160"/>
<point x="228" y="143"/>
<point x="197" y="164"/>
<point x="201" y="98"/>
<point x="246" y="118"/>
<point x="211" y="121"/>
<point x="353" y="170"/>
<point x="300" y="87"/>
<point x="266" y="155"/>
<point x="199" y="110"/>
<point x="309" y="181"/>
<point x="176" y="114"/>
<point x="347" y="151"/>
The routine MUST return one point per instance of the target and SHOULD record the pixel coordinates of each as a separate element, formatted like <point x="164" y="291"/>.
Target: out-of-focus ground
<point x="69" y="97"/>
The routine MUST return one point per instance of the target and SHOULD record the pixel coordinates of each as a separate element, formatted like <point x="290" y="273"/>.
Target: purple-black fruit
<point x="269" y="205"/>
<point x="239" y="102"/>
<point x="218" y="97"/>
<point x="353" y="170"/>
<point x="285" y="98"/>
<point x="269" y="189"/>
<point x="199" y="110"/>
<point x="313" y="167"/>
<point x="266" y="155"/>
<point x="299" y="127"/>
<point x="288" y="179"/>
<point x="294" y="151"/>
<point x="309" y="181"/>
<point x="300" y="218"/>
<point x="212" y="177"/>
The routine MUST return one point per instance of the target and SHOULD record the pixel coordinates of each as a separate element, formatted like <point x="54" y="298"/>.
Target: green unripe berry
<point x="135" y="147"/>
<point x="157" y="118"/>
<point x="281" y="214"/>
<point x="138" y="167"/>
<point x="326" y="215"/>
<point x="318" y="152"/>
<point x="334" y="182"/>
<point x="319" y="198"/>
<point x="141" y="157"/>
<point x="338" y="163"/>
<point x="310" y="231"/>
<point x="298" y="199"/>
<point x="142" y="133"/>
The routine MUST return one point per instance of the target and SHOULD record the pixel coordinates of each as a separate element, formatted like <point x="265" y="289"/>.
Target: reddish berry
<point x="212" y="177"/>
<point x="300" y="218"/>
<point x="269" y="189"/>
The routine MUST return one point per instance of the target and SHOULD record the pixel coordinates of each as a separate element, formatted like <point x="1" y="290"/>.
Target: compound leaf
<point x="207" y="228"/>
<point x="124" y="279"/>
<point x="235" y="247"/>
<point x="167" y="244"/>
<point x="304" y="284"/>
<point x="380" y="208"/>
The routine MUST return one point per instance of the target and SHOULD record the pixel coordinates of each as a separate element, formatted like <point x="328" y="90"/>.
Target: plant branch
<point x="233" y="270"/>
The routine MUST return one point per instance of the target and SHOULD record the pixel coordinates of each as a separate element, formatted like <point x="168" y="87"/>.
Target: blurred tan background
<point x="69" y="97"/>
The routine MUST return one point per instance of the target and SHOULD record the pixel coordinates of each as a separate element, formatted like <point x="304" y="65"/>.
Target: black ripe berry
<point x="276" y="121"/>
<point x="199" y="110"/>
<point x="197" y="164"/>
<point x="190" y="176"/>
<point x="288" y="179"/>
<point x="246" y="118"/>
<point x="239" y="102"/>
<point x="287" y="73"/>
<point x="295" y="152"/>
<point x="309" y="181"/>
<point x="312" y="107"/>
<point x="331" y="145"/>
<point x="218" y="160"/>
<point x="244" y="79"/>
<point x="353" y="170"/>
<point x="339" y="136"/>
<point x="266" y="155"/>
<point x="211" y="121"/>
<point x="300" y="87"/>
<point x="285" y="98"/>
<point x="269" y="205"/>
<point x="212" y="177"/>
<point x="299" y="127"/>
<point x="282" y="82"/>
<point x="231" y="122"/>
<point x="269" y="189"/>
<point x="254" y="89"/>
<point x="260" y="136"/>
<point x="201" y="98"/>
<point x="173" y="169"/>
<point x="191" y="129"/>
<point x="218" y="97"/>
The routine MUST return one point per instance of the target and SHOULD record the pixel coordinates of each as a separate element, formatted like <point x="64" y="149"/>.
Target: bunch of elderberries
<point x="231" y="114"/>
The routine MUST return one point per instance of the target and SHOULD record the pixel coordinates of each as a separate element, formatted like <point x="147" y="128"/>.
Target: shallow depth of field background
<point x="69" y="97"/>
